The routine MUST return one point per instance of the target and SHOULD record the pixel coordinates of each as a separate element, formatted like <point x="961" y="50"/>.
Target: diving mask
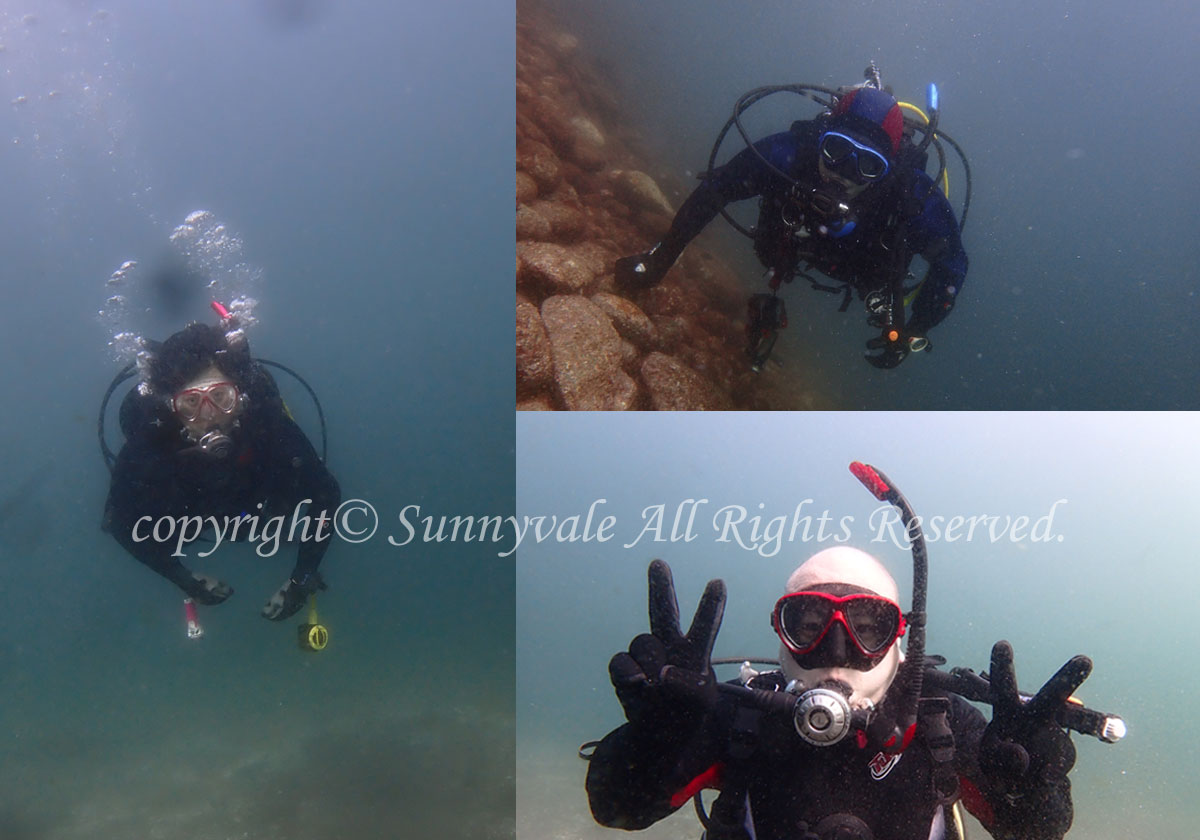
<point x="804" y="619"/>
<point x="838" y="150"/>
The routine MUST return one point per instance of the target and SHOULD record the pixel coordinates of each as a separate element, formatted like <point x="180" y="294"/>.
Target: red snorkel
<point x="222" y="313"/>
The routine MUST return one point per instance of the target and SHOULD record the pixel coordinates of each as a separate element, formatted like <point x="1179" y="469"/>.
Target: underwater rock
<point x="552" y="269"/>
<point x="540" y="403"/>
<point x="714" y="323"/>
<point x="631" y="323"/>
<point x="563" y="43"/>
<point x="550" y="117"/>
<point x="716" y="281"/>
<point x="532" y="225"/>
<point x="629" y="355"/>
<point x="535" y="365"/>
<point x="666" y="299"/>
<point x="587" y="356"/>
<point x="527" y="188"/>
<point x="587" y="132"/>
<point x="584" y="199"/>
<point x="674" y="330"/>
<point x="587" y="150"/>
<point x="673" y="386"/>
<point x="640" y="191"/>
<point x="567" y="223"/>
<point x="539" y="162"/>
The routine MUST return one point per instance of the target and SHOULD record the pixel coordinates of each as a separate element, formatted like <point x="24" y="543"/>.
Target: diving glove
<point x="665" y="681"/>
<point x="290" y="597"/>
<point x="641" y="271"/>
<point x="206" y="590"/>
<point x="1024" y="753"/>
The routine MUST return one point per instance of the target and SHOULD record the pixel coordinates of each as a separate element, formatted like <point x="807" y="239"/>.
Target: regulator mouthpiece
<point x="216" y="443"/>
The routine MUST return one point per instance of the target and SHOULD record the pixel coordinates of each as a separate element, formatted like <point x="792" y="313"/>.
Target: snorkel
<point x="895" y="735"/>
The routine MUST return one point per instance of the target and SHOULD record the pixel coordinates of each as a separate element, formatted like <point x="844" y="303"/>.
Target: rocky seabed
<point x="582" y="201"/>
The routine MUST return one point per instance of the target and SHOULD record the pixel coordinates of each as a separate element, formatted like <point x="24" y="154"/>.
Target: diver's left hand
<point x="290" y="597"/>
<point x="1024" y="746"/>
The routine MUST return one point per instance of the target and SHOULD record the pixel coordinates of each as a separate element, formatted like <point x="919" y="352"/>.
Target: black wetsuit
<point x="902" y="216"/>
<point x="158" y="473"/>
<point x="790" y="787"/>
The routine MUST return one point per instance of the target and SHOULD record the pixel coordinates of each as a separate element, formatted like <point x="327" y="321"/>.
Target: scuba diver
<point x="847" y="738"/>
<point x="845" y="194"/>
<point x="208" y="434"/>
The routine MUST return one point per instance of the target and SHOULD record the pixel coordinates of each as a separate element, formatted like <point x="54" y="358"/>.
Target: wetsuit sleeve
<point x="1041" y="812"/>
<point x="141" y="492"/>
<point x="934" y="234"/>
<point x="633" y="774"/>
<point x="744" y="176"/>
<point x="296" y="474"/>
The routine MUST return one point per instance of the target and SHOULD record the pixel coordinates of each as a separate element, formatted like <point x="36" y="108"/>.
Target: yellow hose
<point x="922" y="115"/>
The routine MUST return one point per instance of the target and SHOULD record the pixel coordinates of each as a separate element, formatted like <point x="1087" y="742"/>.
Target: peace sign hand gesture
<point x="1024" y="745"/>
<point x="665" y="680"/>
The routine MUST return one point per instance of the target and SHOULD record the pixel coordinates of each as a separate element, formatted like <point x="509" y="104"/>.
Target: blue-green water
<point x="1110" y="575"/>
<point x="1081" y="292"/>
<point x="363" y="153"/>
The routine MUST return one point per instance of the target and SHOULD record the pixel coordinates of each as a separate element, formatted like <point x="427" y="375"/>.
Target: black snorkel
<point x="894" y="735"/>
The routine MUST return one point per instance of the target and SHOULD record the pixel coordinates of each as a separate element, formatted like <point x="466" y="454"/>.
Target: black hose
<point x="316" y="402"/>
<point x="123" y="374"/>
<point x="745" y="101"/>
<point x="962" y="219"/>
<point x="738" y="660"/>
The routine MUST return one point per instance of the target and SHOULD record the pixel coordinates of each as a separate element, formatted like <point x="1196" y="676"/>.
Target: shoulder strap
<point x="932" y="716"/>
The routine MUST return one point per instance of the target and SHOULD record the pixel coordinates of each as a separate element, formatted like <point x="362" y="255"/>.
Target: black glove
<point x="290" y="597"/>
<point x="1024" y="753"/>
<point x="665" y="681"/>
<point x="641" y="271"/>
<point x="205" y="589"/>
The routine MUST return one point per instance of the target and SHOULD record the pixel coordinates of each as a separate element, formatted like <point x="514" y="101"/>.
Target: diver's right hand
<point x="641" y="271"/>
<point x="665" y="680"/>
<point x="207" y="590"/>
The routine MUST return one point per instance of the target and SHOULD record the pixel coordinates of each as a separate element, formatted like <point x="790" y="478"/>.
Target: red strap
<point x="710" y="779"/>
<point x="974" y="799"/>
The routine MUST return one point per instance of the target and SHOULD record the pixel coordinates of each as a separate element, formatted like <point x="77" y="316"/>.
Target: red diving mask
<point x="803" y="619"/>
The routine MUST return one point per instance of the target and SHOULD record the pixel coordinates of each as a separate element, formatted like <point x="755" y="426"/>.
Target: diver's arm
<point x="138" y="496"/>
<point x="297" y="473"/>
<point x="744" y="176"/>
<point x="633" y="775"/>
<point x="935" y="236"/>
